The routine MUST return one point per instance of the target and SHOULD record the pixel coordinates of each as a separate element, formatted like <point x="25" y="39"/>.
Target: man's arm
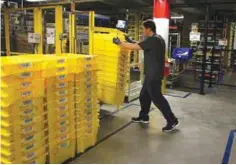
<point x="143" y="45"/>
<point x="132" y="46"/>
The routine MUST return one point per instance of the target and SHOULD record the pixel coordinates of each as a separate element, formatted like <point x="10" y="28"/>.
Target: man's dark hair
<point x="150" y="24"/>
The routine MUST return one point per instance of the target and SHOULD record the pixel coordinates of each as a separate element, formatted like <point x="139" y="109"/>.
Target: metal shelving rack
<point x="214" y="55"/>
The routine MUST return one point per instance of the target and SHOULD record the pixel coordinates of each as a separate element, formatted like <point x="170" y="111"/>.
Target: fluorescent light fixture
<point x="1" y="2"/>
<point x="177" y="17"/>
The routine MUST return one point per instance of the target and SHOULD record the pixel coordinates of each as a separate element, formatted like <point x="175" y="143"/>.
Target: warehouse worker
<point x="154" y="57"/>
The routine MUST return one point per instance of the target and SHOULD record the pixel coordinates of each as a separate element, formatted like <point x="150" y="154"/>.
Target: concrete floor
<point x="201" y="138"/>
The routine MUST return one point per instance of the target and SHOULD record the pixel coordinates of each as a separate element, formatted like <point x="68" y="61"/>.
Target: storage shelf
<point x="208" y="71"/>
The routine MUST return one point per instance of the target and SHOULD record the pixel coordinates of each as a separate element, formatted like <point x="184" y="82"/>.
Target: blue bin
<point x="182" y="53"/>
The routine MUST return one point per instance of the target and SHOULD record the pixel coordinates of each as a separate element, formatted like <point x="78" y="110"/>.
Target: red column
<point x="161" y="14"/>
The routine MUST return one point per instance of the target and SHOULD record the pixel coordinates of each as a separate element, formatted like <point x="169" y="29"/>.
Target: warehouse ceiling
<point x="224" y="7"/>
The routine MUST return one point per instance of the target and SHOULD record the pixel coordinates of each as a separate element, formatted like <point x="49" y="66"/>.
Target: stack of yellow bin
<point x="59" y="82"/>
<point x="86" y="103"/>
<point x="23" y="138"/>
<point x="113" y="66"/>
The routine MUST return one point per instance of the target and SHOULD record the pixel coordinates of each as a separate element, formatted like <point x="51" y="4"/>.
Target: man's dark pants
<point x="151" y="92"/>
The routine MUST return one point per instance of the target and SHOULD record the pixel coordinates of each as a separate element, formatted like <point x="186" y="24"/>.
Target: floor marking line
<point x="183" y="97"/>
<point x="228" y="147"/>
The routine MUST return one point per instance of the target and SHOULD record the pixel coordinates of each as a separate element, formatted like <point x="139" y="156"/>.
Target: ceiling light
<point x="177" y="17"/>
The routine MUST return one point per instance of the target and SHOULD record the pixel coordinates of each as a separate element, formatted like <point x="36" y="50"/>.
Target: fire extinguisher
<point x="167" y="68"/>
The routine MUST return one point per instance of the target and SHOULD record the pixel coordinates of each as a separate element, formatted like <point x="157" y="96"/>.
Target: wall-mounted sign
<point x="195" y="36"/>
<point x="50" y="35"/>
<point x="223" y="42"/>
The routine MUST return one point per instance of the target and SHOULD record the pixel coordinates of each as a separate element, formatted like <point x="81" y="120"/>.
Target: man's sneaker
<point x="170" y="127"/>
<point x="140" y="120"/>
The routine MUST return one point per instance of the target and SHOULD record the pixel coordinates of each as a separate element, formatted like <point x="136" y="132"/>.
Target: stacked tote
<point x="59" y="96"/>
<point x="113" y="66"/>
<point x="23" y="138"/>
<point x="49" y="107"/>
<point x="86" y="102"/>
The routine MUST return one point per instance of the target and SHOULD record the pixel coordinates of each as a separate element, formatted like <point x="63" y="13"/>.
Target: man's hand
<point x="129" y="40"/>
<point x="132" y="46"/>
<point x="116" y="41"/>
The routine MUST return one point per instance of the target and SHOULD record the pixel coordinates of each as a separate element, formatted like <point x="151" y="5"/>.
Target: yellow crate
<point x="18" y="148"/>
<point x="85" y="142"/>
<point x="90" y="122"/>
<point x="53" y="61"/>
<point x="54" y="104"/>
<point x="59" y="78"/>
<point x="8" y="98"/>
<point x="86" y="85"/>
<point x="86" y="74"/>
<point x="112" y="55"/>
<point x="111" y="96"/>
<point x="22" y="158"/>
<point x="58" y="124"/>
<point x="87" y="105"/>
<point x="51" y="96"/>
<point x="113" y="70"/>
<point x="87" y="98"/>
<point x="85" y="79"/>
<point x="113" y="79"/>
<point x="83" y="62"/>
<point x="84" y="113"/>
<point x="61" y="116"/>
<point x="11" y="114"/>
<point x="22" y="77"/>
<point x="51" y="88"/>
<point x="107" y="84"/>
<point x="8" y="139"/>
<point x="15" y="65"/>
<point x="63" y="107"/>
<point x="56" y="134"/>
<point x="60" y="152"/>
<point x="12" y="87"/>
<point x="21" y="121"/>
<point x="37" y="160"/>
<point x="22" y="129"/>
<point x="22" y="104"/>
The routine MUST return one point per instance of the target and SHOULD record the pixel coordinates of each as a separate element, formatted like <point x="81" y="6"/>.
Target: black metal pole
<point x="232" y="50"/>
<point x="213" y="50"/>
<point x="204" y="52"/>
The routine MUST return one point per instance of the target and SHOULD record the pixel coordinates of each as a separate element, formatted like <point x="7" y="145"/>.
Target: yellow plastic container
<point x="54" y="104"/>
<point x="12" y="87"/>
<point x="111" y="96"/>
<point x="60" y="93"/>
<point x="59" y="78"/>
<point x="22" y="77"/>
<point x="8" y="157"/>
<point x="55" y="62"/>
<point x="37" y="160"/>
<point x="86" y="141"/>
<point x="85" y="74"/>
<point x="61" y="151"/>
<point x="22" y="104"/>
<point x="14" y="112"/>
<point x="15" y="65"/>
<point x="7" y="98"/>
